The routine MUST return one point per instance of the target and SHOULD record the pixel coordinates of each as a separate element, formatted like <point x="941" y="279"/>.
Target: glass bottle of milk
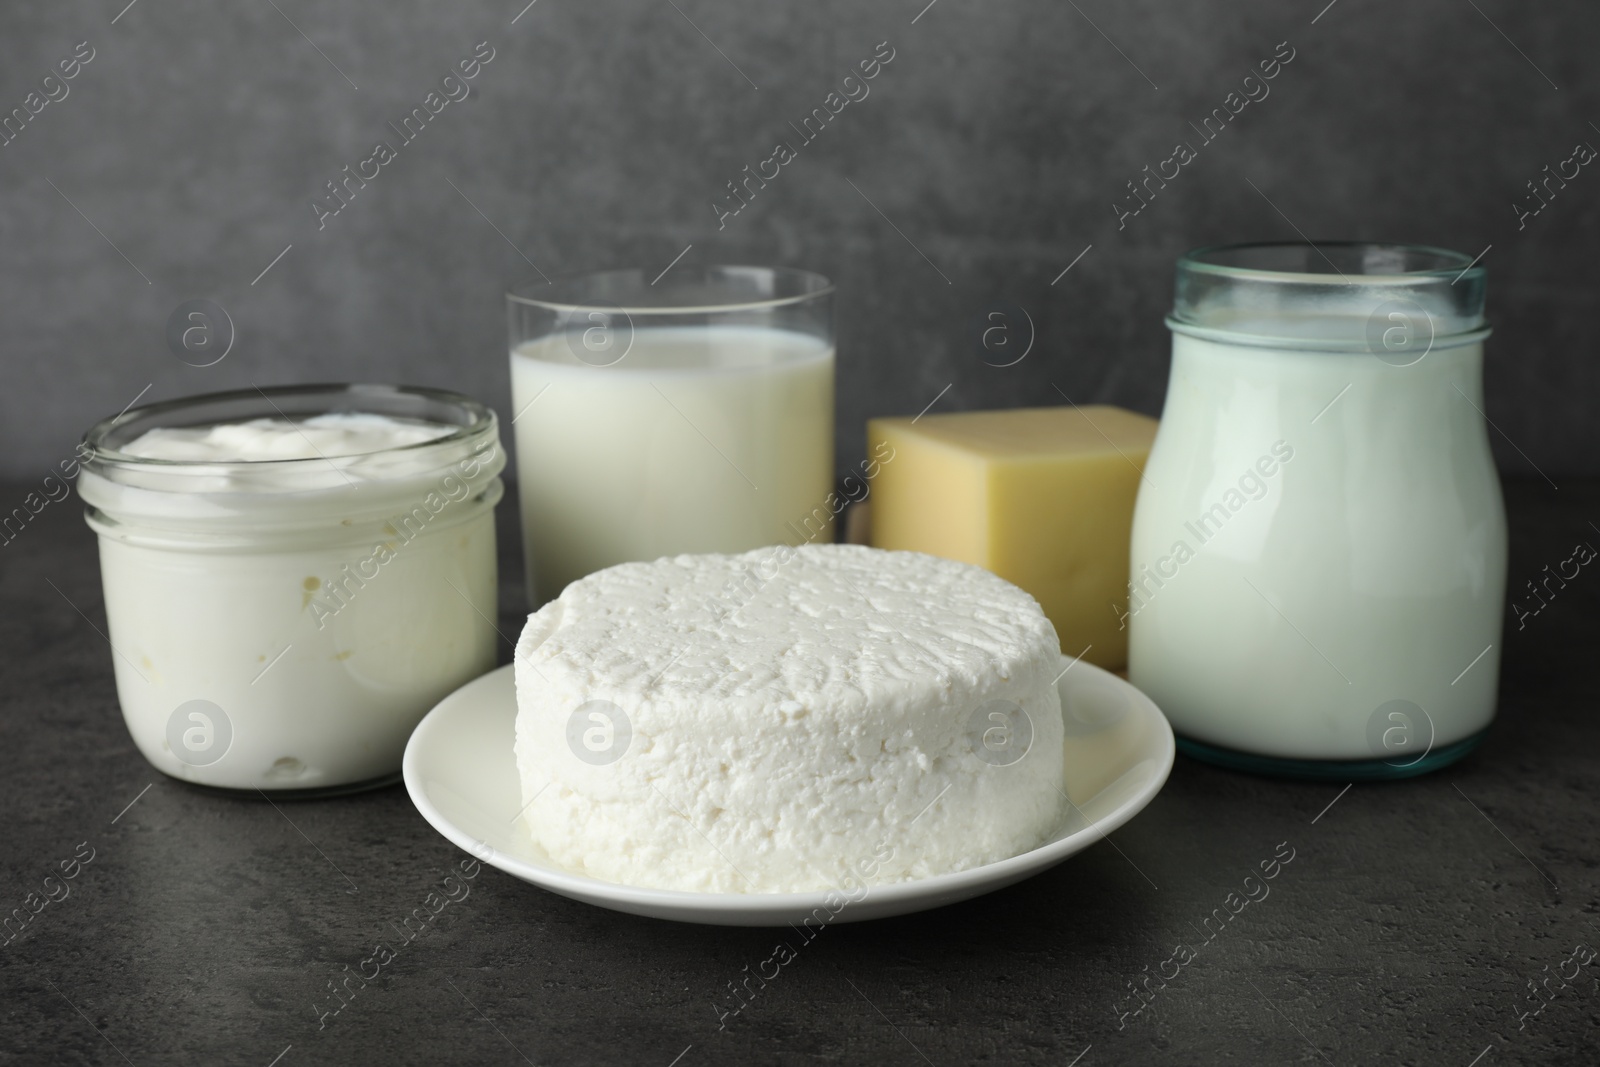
<point x="1319" y="547"/>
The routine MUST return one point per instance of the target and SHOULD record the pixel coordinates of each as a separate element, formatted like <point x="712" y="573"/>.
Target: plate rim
<point x="651" y="901"/>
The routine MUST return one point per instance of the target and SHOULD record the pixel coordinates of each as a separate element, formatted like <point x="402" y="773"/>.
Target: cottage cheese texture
<point x="785" y="720"/>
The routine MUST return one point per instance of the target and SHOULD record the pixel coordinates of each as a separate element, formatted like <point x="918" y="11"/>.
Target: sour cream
<point x="319" y="437"/>
<point x="288" y="596"/>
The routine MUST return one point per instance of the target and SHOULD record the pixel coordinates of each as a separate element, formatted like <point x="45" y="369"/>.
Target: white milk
<point x="295" y="620"/>
<point x="699" y="439"/>
<point x="1376" y="550"/>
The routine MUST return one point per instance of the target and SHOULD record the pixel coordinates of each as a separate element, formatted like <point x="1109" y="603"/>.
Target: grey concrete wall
<point x="185" y="156"/>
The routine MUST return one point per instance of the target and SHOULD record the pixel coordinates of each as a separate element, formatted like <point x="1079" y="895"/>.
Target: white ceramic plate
<point x="462" y="775"/>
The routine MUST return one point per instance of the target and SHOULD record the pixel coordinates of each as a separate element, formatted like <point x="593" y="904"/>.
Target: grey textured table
<point x="1406" y="929"/>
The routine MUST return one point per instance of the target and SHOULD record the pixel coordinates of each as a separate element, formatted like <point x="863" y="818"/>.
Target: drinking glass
<point x="688" y="413"/>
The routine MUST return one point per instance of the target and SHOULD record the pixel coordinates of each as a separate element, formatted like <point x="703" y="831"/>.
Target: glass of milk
<point x="690" y="412"/>
<point x="294" y="576"/>
<point x="1319" y="547"/>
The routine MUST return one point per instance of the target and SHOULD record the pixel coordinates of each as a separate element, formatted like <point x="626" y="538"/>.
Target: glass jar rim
<point x="103" y="455"/>
<point x="1335" y="297"/>
<point x="1450" y="263"/>
<point x="563" y="297"/>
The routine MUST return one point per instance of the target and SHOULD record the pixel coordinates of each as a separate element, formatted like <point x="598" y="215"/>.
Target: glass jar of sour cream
<point x="1319" y="546"/>
<point x="294" y="576"/>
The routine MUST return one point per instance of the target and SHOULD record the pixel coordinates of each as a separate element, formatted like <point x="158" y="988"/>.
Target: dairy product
<point x="1321" y="534"/>
<point x="286" y="599"/>
<point x="336" y="434"/>
<point x="788" y="719"/>
<point x="1043" y="497"/>
<point x="697" y="439"/>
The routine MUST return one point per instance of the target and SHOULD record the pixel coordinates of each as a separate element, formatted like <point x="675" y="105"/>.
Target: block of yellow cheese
<point x="1043" y="497"/>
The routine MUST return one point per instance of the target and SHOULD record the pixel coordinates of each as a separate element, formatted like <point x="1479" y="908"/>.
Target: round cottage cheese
<point x="827" y="717"/>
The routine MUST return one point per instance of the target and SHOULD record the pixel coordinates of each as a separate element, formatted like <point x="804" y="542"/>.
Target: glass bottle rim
<point x="1336" y="296"/>
<point x="1210" y="259"/>
<point x="565" y="292"/>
